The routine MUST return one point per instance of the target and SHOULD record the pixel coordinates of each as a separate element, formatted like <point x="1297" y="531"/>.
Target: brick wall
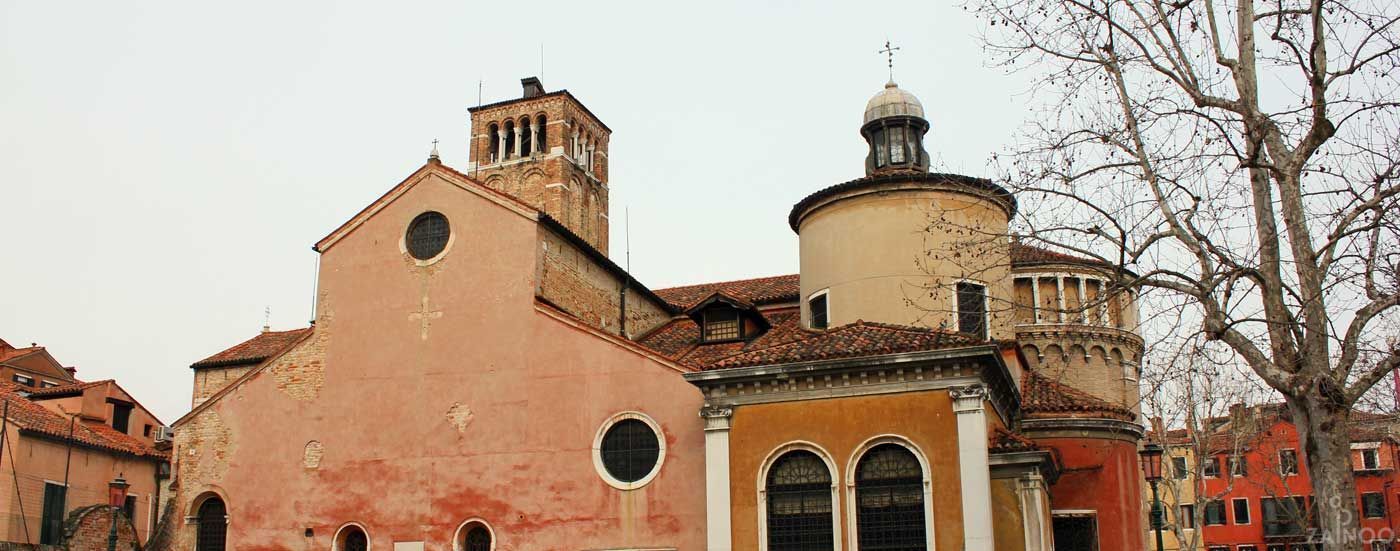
<point x="209" y="380"/>
<point x="572" y="281"/>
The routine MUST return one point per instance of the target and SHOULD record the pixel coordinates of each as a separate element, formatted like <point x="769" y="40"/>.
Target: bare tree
<point x="1243" y="159"/>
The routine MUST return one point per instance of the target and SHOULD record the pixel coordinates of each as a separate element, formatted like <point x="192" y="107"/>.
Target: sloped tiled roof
<point x="63" y="390"/>
<point x="1005" y="441"/>
<point x="7" y="354"/>
<point x="1045" y="398"/>
<point x="34" y="417"/>
<point x="254" y="350"/>
<point x="757" y="291"/>
<point x="679" y="340"/>
<point x="862" y="338"/>
<point x="1027" y="255"/>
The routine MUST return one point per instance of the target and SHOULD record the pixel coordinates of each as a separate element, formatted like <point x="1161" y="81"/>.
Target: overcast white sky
<point x="166" y="166"/>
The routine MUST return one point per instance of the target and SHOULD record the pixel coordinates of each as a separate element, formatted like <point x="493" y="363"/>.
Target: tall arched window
<point x="890" y="500"/>
<point x="798" y="492"/>
<point x="213" y="525"/>
<point x="526" y="145"/>
<point x="541" y="142"/>
<point x="495" y="143"/>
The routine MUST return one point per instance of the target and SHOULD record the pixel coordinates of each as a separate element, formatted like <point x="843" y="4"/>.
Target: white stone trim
<point x="598" y="447"/>
<point x="762" y="486"/>
<point x="335" y="539"/>
<point x="808" y="306"/>
<point x="403" y="240"/>
<point x="986" y="306"/>
<point x="974" y="467"/>
<point x="1034" y="495"/>
<point x="460" y="532"/>
<point x="850" y="481"/>
<point x="718" y="532"/>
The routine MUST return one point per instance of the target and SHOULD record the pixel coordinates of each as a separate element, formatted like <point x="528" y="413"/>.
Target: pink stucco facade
<point x="431" y="393"/>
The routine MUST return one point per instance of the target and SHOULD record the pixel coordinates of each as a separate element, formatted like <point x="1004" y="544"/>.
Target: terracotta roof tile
<point x="757" y="291"/>
<point x="36" y="418"/>
<point x="7" y="354"/>
<point x="855" y="340"/>
<point x="254" y="350"/>
<point x="1023" y="255"/>
<point x="1044" y="398"/>
<point x="1005" y="441"/>
<point x="61" y="390"/>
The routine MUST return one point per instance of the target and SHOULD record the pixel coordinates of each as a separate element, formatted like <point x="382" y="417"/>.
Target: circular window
<point x="630" y="451"/>
<point x="427" y="235"/>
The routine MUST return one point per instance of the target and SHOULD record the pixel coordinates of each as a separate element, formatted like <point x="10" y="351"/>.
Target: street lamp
<point x="116" y="497"/>
<point x="1151" y="457"/>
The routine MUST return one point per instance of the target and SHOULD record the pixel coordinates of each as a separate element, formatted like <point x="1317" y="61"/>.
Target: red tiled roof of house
<point x="7" y="354"/>
<point x="1044" y="398"/>
<point x="62" y="390"/>
<point x="787" y="342"/>
<point x="1022" y="254"/>
<point x="254" y="350"/>
<point x="757" y="291"/>
<point x="1005" y="441"/>
<point x="36" y="418"/>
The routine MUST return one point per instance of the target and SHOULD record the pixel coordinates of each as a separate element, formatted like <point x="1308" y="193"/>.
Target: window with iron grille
<point x="890" y="500"/>
<point x="213" y="525"/>
<point x="630" y="450"/>
<point x="817" y="309"/>
<point x="972" y="308"/>
<point x="798" y="491"/>
<point x="478" y="539"/>
<point x="353" y="539"/>
<point x="722" y="324"/>
<point x="1373" y="505"/>
<point x="427" y="235"/>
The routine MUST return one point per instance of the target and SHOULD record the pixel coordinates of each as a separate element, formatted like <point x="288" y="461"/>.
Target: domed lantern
<point x="895" y="127"/>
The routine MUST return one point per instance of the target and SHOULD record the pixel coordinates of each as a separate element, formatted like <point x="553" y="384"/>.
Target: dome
<point x="893" y="102"/>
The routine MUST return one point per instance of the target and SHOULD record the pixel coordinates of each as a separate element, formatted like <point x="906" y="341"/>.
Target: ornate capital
<point x="716" y="417"/>
<point x="968" y="399"/>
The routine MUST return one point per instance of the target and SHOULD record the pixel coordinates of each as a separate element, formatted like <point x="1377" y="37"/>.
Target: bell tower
<point x="549" y="151"/>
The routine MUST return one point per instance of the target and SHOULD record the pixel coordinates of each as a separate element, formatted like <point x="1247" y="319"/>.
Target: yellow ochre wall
<point x="839" y="426"/>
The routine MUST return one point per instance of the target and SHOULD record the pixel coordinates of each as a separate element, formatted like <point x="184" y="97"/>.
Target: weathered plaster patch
<point x="311" y="458"/>
<point x="460" y="416"/>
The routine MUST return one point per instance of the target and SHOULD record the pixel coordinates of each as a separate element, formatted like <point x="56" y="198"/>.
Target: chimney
<point x="532" y="86"/>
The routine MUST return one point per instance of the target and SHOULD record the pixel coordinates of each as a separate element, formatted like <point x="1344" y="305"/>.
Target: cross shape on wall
<point x="425" y="317"/>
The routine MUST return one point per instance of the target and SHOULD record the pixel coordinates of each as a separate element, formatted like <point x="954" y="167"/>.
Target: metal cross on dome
<point x="889" y="52"/>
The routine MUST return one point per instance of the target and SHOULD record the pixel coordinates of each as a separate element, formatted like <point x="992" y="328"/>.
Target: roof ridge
<point x="729" y="282"/>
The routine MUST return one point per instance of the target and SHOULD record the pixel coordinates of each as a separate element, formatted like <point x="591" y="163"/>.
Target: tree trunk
<point x="1322" y="431"/>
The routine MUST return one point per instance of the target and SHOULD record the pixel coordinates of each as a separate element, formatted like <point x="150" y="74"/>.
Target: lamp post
<point x="1151" y="457"/>
<point x="116" y="497"/>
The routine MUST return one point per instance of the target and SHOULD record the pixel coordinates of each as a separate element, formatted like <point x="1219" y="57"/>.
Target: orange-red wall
<point x="1103" y="476"/>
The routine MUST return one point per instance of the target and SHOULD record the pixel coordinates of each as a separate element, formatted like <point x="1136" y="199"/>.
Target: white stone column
<point x="535" y="137"/>
<point x="1034" y="512"/>
<point x="501" y="146"/>
<point x="717" y="530"/>
<point x="1060" y="295"/>
<point x="1035" y="297"/>
<point x="518" y="147"/>
<point x="974" y="467"/>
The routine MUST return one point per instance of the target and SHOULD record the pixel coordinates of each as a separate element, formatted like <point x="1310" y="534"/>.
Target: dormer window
<point x="724" y="318"/>
<point x="722" y="324"/>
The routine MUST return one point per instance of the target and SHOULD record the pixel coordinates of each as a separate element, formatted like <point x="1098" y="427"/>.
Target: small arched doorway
<point x="213" y="525"/>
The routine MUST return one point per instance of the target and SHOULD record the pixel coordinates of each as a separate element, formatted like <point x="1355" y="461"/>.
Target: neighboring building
<point x="62" y="445"/>
<point x="1252" y="492"/>
<point x="481" y="376"/>
<point x="32" y="367"/>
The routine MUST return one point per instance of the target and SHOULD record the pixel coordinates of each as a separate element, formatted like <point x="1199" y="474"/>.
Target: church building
<point x="480" y="375"/>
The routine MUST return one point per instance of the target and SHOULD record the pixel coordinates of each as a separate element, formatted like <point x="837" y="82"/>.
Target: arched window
<point x="798" y="492"/>
<point x="890" y="500"/>
<point x="213" y="525"/>
<point x="495" y="143"/>
<point x="352" y="538"/>
<point x="526" y="146"/>
<point x="478" y="538"/>
<point x="541" y="142"/>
